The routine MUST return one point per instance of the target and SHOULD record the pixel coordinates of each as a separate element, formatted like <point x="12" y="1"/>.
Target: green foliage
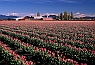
<point x="72" y="15"/>
<point x="38" y="14"/>
<point x="65" y="15"/>
<point x="61" y="16"/>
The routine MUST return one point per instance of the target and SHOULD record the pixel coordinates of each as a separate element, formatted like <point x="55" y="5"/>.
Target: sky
<point x="31" y="7"/>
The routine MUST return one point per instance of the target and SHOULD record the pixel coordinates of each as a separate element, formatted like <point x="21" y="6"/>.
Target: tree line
<point x="63" y="16"/>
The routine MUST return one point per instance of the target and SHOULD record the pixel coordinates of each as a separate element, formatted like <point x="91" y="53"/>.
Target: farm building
<point x="47" y="18"/>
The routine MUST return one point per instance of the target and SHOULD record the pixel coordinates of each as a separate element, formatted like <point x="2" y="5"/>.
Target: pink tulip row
<point x="20" y="24"/>
<point x="49" y="52"/>
<point x="60" y="39"/>
<point x="16" y="56"/>
<point x="84" y="49"/>
<point x="83" y="28"/>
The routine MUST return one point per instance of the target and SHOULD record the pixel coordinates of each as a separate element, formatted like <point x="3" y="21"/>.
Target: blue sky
<point x="24" y="7"/>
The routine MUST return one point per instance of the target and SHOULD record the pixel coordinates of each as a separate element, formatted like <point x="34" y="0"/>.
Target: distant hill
<point x="7" y="17"/>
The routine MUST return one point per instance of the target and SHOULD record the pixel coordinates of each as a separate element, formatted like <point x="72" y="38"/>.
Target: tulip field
<point x="47" y="43"/>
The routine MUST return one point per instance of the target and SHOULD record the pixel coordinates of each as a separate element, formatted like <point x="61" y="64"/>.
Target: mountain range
<point x="7" y="17"/>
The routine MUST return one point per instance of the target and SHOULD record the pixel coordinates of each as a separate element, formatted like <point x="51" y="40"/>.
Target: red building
<point x="47" y="19"/>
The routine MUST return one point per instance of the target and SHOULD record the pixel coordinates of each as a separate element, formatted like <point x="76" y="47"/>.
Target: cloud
<point x="34" y="1"/>
<point x="13" y="14"/>
<point x="50" y="1"/>
<point x="76" y="1"/>
<point x="77" y="12"/>
<point x="17" y="14"/>
<point x="43" y="1"/>
<point x="78" y="15"/>
<point x="14" y="0"/>
<point x="69" y="1"/>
